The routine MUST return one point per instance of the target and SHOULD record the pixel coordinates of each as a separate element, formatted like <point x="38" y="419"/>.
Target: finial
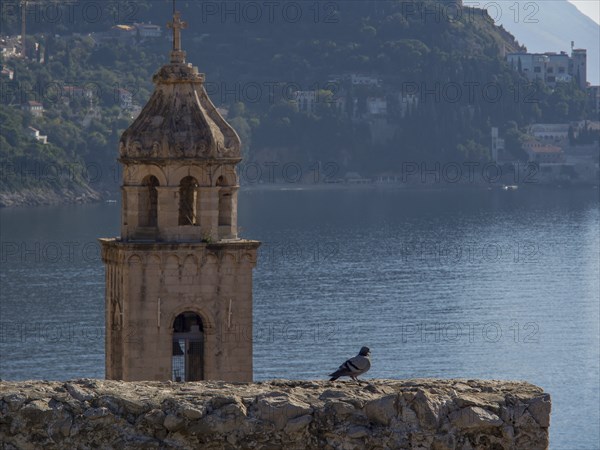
<point x="177" y="55"/>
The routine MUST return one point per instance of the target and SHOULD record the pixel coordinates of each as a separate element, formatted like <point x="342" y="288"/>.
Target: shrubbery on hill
<point x="455" y="67"/>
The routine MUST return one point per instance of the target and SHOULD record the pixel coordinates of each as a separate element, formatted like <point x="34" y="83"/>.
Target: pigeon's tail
<point x="338" y="373"/>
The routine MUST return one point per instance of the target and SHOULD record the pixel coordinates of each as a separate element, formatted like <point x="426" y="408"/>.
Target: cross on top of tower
<point x="177" y="55"/>
<point x="177" y="25"/>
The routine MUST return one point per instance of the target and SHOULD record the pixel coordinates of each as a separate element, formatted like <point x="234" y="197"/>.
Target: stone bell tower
<point x="179" y="279"/>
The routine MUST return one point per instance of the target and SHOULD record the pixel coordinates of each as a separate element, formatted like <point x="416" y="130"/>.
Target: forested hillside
<point x="454" y="66"/>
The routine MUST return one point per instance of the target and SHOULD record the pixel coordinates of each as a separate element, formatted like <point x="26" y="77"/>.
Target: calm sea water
<point x="477" y="284"/>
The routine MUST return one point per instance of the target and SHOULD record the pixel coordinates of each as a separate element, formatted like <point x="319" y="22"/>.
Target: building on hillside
<point x="7" y="73"/>
<point x="377" y="106"/>
<point x="408" y="104"/>
<point x="307" y="101"/>
<point x="389" y="178"/>
<point x="552" y="68"/>
<point x="532" y="65"/>
<point x="542" y="153"/>
<point x="578" y="67"/>
<point x="148" y="30"/>
<point x="591" y="125"/>
<point x="10" y="47"/>
<point x="555" y="148"/>
<point x="557" y="69"/>
<point x="356" y="178"/>
<point x="35" y="134"/>
<point x="125" y="99"/>
<point x="36" y="109"/>
<point x="550" y="132"/>
<point x="561" y="133"/>
<point x="9" y="52"/>
<point x="363" y="80"/>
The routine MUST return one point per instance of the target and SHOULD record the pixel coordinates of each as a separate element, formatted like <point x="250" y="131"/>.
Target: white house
<point x="148" y="30"/>
<point x="9" y="46"/>
<point x="408" y="103"/>
<point x="7" y="73"/>
<point x="35" y="134"/>
<point x="376" y="106"/>
<point x="364" y="80"/>
<point x="35" y="108"/>
<point x="306" y="101"/>
<point x="552" y="67"/>
<point x="550" y="131"/>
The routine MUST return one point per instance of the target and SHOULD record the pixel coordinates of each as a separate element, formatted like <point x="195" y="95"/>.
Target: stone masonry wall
<point x="380" y="414"/>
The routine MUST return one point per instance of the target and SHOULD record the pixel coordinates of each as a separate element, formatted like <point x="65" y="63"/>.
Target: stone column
<point x="130" y="215"/>
<point x="228" y="212"/>
<point x="208" y="212"/>
<point x="168" y="207"/>
<point x="234" y="212"/>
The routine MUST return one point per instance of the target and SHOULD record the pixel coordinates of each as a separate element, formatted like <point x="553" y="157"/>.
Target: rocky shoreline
<point x="47" y="197"/>
<point x="379" y="414"/>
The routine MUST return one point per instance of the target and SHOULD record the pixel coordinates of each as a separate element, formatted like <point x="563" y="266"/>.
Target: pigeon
<point x="354" y="366"/>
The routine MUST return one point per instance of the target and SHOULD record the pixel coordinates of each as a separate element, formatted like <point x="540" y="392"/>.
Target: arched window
<point x="224" y="203"/>
<point x="188" y="348"/>
<point x="187" y="201"/>
<point x="148" y="204"/>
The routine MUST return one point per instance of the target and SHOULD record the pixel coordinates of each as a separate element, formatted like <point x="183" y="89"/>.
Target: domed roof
<point x="179" y="121"/>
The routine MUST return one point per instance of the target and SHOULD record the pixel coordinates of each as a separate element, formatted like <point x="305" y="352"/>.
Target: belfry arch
<point x="188" y="347"/>
<point x="188" y="201"/>
<point x="148" y="202"/>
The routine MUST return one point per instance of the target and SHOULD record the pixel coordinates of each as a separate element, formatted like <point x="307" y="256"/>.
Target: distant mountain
<point x="558" y="23"/>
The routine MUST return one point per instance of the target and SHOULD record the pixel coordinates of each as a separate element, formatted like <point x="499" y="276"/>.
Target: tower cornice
<point x="188" y="160"/>
<point x="178" y="73"/>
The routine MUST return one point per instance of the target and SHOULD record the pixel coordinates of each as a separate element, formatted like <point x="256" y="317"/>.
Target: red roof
<point x="546" y="149"/>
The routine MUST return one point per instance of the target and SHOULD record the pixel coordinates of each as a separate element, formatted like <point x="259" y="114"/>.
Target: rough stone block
<point x="278" y="414"/>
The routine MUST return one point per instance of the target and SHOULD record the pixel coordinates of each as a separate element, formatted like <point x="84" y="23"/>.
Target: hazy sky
<point x="590" y="8"/>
